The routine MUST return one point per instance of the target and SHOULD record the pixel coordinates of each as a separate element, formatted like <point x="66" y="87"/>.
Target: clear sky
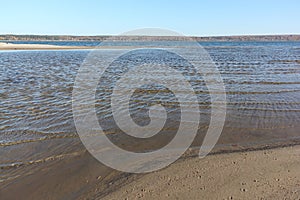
<point x="201" y="18"/>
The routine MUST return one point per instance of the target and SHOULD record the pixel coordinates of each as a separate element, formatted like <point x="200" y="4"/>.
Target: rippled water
<point x="262" y="81"/>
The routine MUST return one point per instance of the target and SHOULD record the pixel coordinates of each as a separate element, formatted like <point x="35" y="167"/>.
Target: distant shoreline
<point x="288" y="37"/>
<point x="10" y="46"/>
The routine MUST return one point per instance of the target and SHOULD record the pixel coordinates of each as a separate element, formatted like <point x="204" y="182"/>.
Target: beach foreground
<point x="260" y="174"/>
<point x="264" y="174"/>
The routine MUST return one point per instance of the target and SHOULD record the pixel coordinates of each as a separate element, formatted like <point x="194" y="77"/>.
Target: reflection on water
<point x="262" y="82"/>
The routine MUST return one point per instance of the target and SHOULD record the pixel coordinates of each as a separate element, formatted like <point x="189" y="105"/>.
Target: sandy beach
<point x="259" y="174"/>
<point x="264" y="174"/>
<point x="10" y="46"/>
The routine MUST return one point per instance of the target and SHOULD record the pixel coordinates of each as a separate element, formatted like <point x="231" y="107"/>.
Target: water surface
<point x="262" y="81"/>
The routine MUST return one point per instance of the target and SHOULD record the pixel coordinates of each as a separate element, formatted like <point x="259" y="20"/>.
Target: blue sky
<point x="201" y="18"/>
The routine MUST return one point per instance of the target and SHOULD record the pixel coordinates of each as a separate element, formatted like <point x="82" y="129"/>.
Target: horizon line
<point x="108" y="35"/>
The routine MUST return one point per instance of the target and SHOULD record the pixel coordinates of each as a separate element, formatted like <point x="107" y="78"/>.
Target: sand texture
<point x="262" y="174"/>
<point x="265" y="174"/>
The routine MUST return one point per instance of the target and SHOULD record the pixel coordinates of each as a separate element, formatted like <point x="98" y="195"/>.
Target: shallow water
<point x="262" y="81"/>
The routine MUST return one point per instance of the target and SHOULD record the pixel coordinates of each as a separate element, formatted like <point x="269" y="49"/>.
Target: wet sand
<point x="75" y="174"/>
<point x="264" y="174"/>
<point x="71" y="173"/>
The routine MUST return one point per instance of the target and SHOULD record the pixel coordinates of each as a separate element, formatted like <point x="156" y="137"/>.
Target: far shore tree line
<point x="149" y="38"/>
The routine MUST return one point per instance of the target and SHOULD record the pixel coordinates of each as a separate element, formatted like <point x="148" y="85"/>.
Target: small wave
<point x="284" y="61"/>
<point x="263" y="92"/>
<point x="39" y="161"/>
<point x="265" y="109"/>
<point x="10" y="143"/>
<point x="261" y="128"/>
<point x="228" y="92"/>
<point x="263" y="82"/>
<point x="263" y="103"/>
